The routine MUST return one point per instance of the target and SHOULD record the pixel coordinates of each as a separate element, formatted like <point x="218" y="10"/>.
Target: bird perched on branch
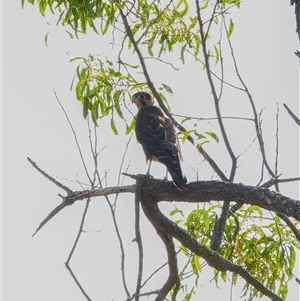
<point x="156" y="132"/>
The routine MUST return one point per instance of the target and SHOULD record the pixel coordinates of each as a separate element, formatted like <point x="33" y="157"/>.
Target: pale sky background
<point x="34" y="125"/>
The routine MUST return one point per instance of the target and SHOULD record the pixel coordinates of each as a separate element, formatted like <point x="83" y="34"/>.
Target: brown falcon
<point x="156" y="132"/>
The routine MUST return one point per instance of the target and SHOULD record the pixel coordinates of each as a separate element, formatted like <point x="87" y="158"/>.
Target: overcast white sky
<point x="34" y="126"/>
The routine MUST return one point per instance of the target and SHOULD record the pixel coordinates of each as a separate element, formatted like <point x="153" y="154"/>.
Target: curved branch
<point x="163" y="224"/>
<point x="173" y="279"/>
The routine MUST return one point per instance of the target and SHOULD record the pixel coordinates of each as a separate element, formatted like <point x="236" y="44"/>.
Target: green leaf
<point x="254" y="208"/>
<point x="131" y="66"/>
<point x="184" y="250"/>
<point x="199" y="136"/>
<point x="113" y="126"/>
<point x="292" y="261"/>
<point x="150" y="49"/>
<point x="76" y="58"/>
<point x="168" y="88"/>
<point x="182" y="51"/>
<point x="213" y="135"/>
<point x="162" y="47"/>
<point x="224" y="276"/>
<point x="205" y="5"/>
<point x="130" y="128"/>
<point x="185" y="120"/>
<point x="173" y="212"/>
<point x="119" y="111"/>
<point x="185" y="9"/>
<point x="42" y="7"/>
<point x="89" y="8"/>
<point x="46" y="39"/>
<point x="70" y="35"/>
<point x="197" y="264"/>
<point x="86" y="104"/>
<point x="230" y="30"/>
<point x="217" y="54"/>
<point x="185" y="134"/>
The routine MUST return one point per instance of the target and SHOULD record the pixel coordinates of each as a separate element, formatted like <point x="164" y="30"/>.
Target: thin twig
<point x="65" y="188"/>
<point x="277" y="140"/>
<point x="212" y="118"/>
<point x="67" y="263"/>
<point x="75" y="137"/>
<point x="153" y="273"/>
<point x="274" y="181"/>
<point x="215" y="97"/>
<point x="296" y="119"/>
<point x="255" y="115"/>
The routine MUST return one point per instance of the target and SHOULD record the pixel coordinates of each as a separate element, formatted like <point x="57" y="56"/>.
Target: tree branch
<point x="296" y="119"/>
<point x="138" y="239"/>
<point x="200" y="191"/>
<point x="163" y="224"/>
<point x="214" y="94"/>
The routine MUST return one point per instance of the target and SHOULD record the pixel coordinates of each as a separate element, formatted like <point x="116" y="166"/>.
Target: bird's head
<point x="142" y="99"/>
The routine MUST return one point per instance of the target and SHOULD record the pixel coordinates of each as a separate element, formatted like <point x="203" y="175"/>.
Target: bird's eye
<point x="142" y="96"/>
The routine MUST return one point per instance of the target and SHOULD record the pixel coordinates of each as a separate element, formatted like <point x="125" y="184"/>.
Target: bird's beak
<point x="134" y="99"/>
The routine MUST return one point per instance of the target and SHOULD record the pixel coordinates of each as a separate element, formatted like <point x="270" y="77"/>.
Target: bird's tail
<point x="178" y="178"/>
<point x="180" y="181"/>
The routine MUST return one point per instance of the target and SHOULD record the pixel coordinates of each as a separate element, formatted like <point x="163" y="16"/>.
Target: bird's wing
<point x="157" y="133"/>
<point x="171" y="138"/>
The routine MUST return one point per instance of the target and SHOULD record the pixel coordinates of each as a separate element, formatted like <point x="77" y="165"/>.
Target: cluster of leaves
<point x="267" y="252"/>
<point x="80" y="14"/>
<point x="161" y="26"/>
<point x="102" y="89"/>
<point x="164" y="27"/>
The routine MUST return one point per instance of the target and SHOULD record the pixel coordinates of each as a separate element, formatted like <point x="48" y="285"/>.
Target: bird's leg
<point x="148" y="171"/>
<point x="166" y="177"/>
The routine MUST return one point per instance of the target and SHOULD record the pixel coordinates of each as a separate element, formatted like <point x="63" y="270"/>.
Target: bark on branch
<point x="149" y="201"/>
<point x="200" y="191"/>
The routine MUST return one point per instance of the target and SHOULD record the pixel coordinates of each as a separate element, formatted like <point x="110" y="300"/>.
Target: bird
<point x="156" y="132"/>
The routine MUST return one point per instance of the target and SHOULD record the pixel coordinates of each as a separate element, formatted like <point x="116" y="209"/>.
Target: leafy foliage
<point x="163" y="28"/>
<point x="268" y="252"/>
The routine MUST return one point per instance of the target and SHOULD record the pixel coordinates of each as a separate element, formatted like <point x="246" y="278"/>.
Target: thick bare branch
<point x="163" y="224"/>
<point x="200" y="191"/>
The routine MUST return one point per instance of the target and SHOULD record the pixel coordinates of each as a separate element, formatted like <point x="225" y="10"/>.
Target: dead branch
<point x="63" y="187"/>
<point x="73" y="196"/>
